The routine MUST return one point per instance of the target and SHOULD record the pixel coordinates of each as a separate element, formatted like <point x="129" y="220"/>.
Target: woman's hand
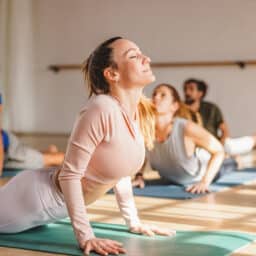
<point x="138" y="181"/>
<point x="198" y="188"/>
<point x="150" y="230"/>
<point x="103" y="246"/>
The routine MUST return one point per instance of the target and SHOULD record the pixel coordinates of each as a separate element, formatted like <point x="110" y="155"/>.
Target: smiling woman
<point x="109" y="126"/>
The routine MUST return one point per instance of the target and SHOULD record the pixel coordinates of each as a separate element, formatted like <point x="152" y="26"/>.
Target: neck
<point x="195" y="106"/>
<point x="129" y="99"/>
<point x="163" y="120"/>
<point x="164" y="124"/>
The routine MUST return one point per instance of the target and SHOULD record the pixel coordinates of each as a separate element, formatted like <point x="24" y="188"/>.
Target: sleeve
<point x="125" y="200"/>
<point x="218" y="116"/>
<point x="88" y="132"/>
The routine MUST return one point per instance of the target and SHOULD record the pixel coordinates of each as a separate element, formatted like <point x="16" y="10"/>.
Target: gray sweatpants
<point x="30" y="199"/>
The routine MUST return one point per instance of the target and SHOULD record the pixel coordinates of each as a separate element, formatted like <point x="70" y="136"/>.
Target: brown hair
<point x="93" y="68"/>
<point x="183" y="110"/>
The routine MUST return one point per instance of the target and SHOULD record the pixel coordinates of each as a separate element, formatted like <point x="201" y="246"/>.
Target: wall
<point x="67" y="31"/>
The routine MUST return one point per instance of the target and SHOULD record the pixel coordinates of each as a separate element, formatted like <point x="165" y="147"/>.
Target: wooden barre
<point x="240" y="64"/>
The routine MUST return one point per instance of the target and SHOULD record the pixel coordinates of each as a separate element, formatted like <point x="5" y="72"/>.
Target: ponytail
<point x="147" y="121"/>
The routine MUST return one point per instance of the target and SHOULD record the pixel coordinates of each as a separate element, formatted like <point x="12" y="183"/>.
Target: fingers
<point x="153" y="230"/>
<point x="103" y="247"/>
<point x="197" y="189"/>
<point x="163" y="231"/>
<point x="142" y="184"/>
<point x="147" y="231"/>
<point x="138" y="183"/>
<point x="143" y="229"/>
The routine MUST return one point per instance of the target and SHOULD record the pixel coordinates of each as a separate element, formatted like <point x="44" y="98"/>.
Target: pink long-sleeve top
<point x="105" y="149"/>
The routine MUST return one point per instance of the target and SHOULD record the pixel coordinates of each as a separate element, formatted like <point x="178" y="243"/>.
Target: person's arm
<point x="139" y="179"/>
<point x="224" y="131"/>
<point x="202" y="138"/>
<point x="89" y="131"/>
<point x="125" y="200"/>
<point x="1" y="154"/>
<point x="221" y="124"/>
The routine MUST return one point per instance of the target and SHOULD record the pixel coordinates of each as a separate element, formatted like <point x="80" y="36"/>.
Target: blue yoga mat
<point x="10" y="172"/>
<point x="161" y="189"/>
<point x="59" y="238"/>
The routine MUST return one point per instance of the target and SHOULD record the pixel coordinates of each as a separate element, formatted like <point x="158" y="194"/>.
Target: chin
<point x="151" y="79"/>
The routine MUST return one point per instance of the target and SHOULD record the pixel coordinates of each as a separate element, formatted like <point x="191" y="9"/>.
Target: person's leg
<point x="229" y="165"/>
<point x="53" y="159"/>
<point x="237" y="146"/>
<point x="28" y="200"/>
<point x="22" y="156"/>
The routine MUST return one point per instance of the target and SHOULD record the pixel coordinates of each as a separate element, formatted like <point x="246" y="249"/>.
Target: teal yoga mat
<point x="58" y="238"/>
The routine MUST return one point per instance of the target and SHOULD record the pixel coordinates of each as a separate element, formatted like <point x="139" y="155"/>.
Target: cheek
<point x="130" y="71"/>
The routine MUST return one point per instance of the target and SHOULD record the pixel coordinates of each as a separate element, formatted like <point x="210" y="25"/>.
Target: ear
<point x="111" y="74"/>
<point x="200" y="94"/>
<point x="176" y="106"/>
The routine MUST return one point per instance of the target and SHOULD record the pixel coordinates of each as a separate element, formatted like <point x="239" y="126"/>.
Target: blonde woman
<point x="107" y="130"/>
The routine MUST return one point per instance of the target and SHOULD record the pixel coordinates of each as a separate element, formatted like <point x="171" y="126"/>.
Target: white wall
<point x="3" y="45"/>
<point x="172" y="30"/>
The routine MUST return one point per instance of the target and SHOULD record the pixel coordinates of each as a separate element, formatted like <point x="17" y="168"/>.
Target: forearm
<point x="213" y="167"/>
<point x="223" y="137"/>
<point x="125" y="200"/>
<point x="224" y="132"/>
<point x="74" y="199"/>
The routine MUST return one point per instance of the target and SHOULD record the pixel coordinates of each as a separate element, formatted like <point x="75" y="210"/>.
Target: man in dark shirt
<point x="212" y="118"/>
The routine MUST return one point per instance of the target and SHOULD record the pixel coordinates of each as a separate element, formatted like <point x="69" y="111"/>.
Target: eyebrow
<point x="130" y="49"/>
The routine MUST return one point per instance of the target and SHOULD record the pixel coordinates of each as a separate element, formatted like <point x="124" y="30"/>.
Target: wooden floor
<point x="233" y="209"/>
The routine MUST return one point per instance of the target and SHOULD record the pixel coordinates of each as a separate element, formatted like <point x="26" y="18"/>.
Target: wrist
<point x="206" y="181"/>
<point x="139" y="175"/>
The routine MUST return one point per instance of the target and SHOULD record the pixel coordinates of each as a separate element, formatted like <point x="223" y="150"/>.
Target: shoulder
<point x="101" y="104"/>
<point x="178" y="121"/>
<point x="209" y="105"/>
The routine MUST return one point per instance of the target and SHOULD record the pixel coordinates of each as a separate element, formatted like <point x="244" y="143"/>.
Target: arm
<point x="125" y="200"/>
<point x="139" y="180"/>
<point x="204" y="139"/>
<point x="224" y="131"/>
<point x="221" y="124"/>
<point x="87" y="133"/>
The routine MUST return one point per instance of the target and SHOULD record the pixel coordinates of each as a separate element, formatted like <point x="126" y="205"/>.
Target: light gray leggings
<point x="30" y="199"/>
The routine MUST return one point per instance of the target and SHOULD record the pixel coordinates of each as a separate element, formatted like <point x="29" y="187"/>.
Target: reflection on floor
<point x="233" y="209"/>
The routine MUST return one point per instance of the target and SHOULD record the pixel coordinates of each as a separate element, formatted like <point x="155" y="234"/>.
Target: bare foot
<point x="52" y="149"/>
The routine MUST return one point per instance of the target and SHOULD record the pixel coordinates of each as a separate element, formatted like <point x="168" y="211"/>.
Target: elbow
<point x="220" y="153"/>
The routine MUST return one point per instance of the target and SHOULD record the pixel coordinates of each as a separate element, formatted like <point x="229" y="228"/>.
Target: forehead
<point x="163" y="89"/>
<point x="122" y="46"/>
<point x="191" y="86"/>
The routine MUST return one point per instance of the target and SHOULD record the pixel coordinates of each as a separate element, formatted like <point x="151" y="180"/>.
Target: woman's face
<point x="163" y="100"/>
<point x="133" y="67"/>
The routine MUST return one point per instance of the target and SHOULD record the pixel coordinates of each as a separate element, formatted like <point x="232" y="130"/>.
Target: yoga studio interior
<point x="127" y="127"/>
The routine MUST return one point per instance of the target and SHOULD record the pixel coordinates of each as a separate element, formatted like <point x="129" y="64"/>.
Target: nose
<point x="146" y="59"/>
<point x="155" y="98"/>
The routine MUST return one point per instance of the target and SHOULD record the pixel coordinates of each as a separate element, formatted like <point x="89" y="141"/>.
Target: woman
<point x="106" y="130"/>
<point x="179" y="153"/>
